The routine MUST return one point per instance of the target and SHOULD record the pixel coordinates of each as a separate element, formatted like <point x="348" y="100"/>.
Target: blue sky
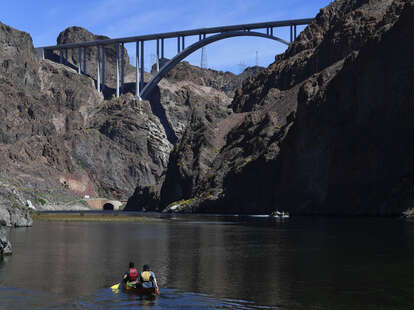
<point x="44" y="19"/>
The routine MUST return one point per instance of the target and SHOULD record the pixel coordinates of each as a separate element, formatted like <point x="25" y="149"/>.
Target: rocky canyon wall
<point x="326" y="129"/>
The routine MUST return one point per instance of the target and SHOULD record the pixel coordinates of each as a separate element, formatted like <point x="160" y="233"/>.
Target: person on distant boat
<point x="132" y="274"/>
<point x="147" y="278"/>
<point x="276" y="213"/>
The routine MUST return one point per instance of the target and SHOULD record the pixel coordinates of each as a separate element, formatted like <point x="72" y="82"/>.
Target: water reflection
<point x="323" y="263"/>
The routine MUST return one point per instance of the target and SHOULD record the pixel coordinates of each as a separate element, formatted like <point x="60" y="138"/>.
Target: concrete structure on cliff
<point x="143" y="90"/>
<point x="104" y="204"/>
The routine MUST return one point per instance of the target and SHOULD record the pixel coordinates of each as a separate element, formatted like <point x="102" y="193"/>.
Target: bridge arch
<point x="146" y="91"/>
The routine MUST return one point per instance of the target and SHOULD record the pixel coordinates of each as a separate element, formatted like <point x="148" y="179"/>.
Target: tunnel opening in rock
<point x="108" y="207"/>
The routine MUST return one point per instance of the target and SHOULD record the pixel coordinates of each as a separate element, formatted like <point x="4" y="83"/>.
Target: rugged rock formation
<point x="326" y="129"/>
<point x="190" y="100"/>
<point x="61" y="140"/>
<point x="5" y="246"/>
<point x="14" y="211"/>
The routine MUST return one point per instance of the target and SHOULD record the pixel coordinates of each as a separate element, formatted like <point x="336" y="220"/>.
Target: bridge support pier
<point x="60" y="56"/>
<point x="183" y="43"/>
<point x="137" y="79"/>
<point x="158" y="55"/>
<point x="79" y="59"/>
<point x="178" y="45"/>
<point x="117" y="70"/>
<point x="84" y="60"/>
<point x="162" y="48"/>
<point x="295" y="31"/>
<point x="122" y="67"/>
<point x="142" y="64"/>
<point x="103" y="67"/>
<point x="98" y="73"/>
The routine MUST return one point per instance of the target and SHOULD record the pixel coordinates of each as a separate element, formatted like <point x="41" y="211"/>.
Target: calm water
<point x="214" y="262"/>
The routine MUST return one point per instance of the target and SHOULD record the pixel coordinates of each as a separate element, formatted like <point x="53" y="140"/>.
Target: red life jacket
<point x="133" y="274"/>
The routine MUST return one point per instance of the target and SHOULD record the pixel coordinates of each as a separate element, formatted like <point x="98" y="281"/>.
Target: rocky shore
<point x="14" y="212"/>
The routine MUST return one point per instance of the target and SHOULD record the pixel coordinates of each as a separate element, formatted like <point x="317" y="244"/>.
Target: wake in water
<point x="19" y="299"/>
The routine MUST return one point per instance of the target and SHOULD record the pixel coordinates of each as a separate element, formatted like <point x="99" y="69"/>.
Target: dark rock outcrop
<point x="326" y="129"/>
<point x="14" y="212"/>
<point x="5" y="246"/>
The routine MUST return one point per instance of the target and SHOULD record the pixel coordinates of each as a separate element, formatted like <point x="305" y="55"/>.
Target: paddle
<point x="115" y="286"/>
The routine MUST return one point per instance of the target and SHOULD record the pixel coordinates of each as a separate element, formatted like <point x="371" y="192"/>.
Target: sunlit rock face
<point x="61" y="140"/>
<point x="186" y="95"/>
<point x="326" y="129"/>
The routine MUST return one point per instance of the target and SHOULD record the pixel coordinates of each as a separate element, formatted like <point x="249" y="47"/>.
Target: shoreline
<point x="92" y="217"/>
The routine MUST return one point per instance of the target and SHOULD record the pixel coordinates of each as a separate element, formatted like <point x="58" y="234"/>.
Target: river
<point x="207" y="262"/>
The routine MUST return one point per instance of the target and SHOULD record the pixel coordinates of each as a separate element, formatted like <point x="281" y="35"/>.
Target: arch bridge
<point x="205" y="36"/>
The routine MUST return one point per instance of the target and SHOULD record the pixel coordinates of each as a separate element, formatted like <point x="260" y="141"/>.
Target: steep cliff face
<point x="358" y="157"/>
<point x="61" y="140"/>
<point x="192" y="103"/>
<point x="324" y="130"/>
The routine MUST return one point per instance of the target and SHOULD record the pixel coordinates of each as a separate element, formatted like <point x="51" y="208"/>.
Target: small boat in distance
<point x="280" y="214"/>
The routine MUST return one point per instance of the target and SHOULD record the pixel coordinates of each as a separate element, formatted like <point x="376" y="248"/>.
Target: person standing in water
<point x="147" y="278"/>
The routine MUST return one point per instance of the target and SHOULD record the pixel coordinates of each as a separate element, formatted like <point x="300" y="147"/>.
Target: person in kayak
<point x="132" y="274"/>
<point x="147" y="278"/>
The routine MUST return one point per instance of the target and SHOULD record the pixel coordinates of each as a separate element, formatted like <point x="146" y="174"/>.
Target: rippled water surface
<point x="207" y="262"/>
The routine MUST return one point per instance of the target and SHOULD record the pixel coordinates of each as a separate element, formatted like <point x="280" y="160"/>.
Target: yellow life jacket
<point x="145" y="276"/>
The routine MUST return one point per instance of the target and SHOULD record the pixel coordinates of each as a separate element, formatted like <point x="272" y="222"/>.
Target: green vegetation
<point x="42" y="201"/>
<point x="84" y="202"/>
<point x="245" y="162"/>
<point x="183" y="202"/>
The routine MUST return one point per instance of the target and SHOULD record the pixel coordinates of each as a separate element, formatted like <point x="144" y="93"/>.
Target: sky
<point x="45" y="19"/>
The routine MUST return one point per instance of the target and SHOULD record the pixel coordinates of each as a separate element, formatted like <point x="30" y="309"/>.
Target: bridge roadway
<point x="143" y="90"/>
